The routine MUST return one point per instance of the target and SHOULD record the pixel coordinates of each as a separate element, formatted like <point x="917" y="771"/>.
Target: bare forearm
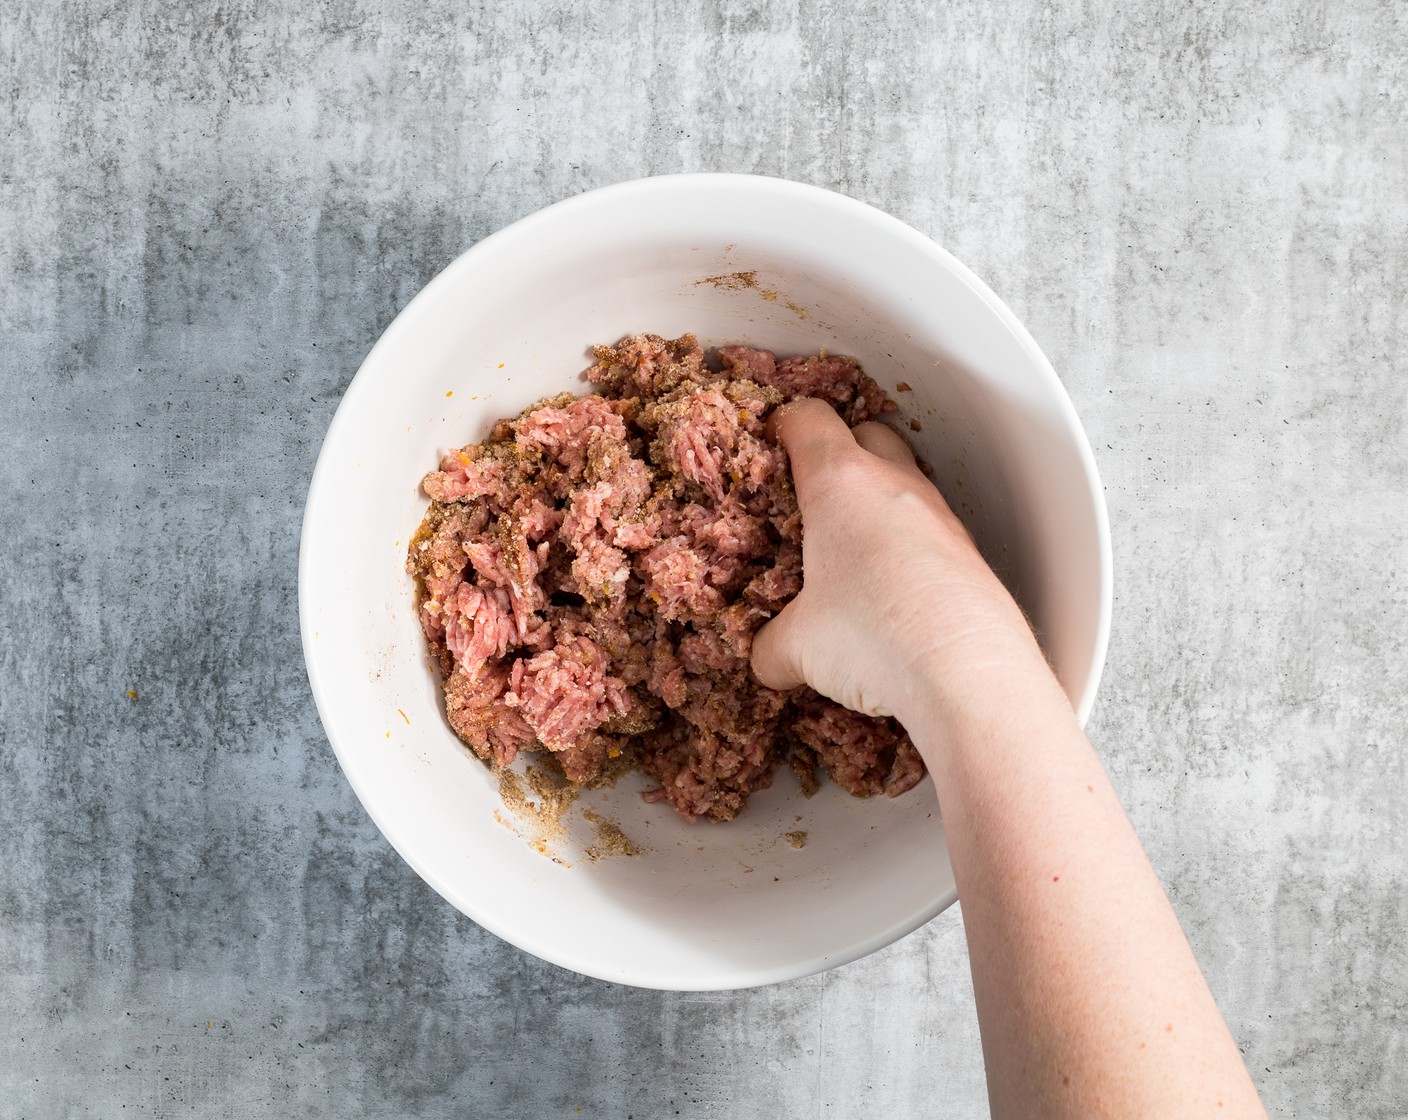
<point x="1089" y="999"/>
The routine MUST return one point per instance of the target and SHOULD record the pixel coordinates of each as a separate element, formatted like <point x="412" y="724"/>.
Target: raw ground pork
<point x="592" y="575"/>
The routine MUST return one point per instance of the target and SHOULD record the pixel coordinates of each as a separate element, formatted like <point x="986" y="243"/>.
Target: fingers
<point x="813" y="435"/>
<point x="774" y="662"/>
<point x="886" y="443"/>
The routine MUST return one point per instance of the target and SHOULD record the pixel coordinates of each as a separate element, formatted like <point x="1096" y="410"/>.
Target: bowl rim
<point x="734" y="977"/>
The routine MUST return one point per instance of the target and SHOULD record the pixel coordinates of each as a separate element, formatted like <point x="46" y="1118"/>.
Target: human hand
<point x="898" y="608"/>
<point x="1075" y="950"/>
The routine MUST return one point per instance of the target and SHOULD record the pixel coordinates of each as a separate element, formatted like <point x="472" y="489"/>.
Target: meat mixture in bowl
<point x="592" y="574"/>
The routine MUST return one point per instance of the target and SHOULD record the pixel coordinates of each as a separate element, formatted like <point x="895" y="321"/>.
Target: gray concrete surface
<point x="207" y="215"/>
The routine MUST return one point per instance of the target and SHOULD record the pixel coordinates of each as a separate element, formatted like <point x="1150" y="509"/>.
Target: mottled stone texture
<point x="207" y="215"/>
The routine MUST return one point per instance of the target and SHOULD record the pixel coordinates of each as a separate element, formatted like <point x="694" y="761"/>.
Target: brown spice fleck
<point x="915" y="426"/>
<point x="740" y="281"/>
<point x="797" y="839"/>
<point x="732" y="281"/>
<point x="903" y="387"/>
<point x="610" y="840"/>
<point x="554" y="796"/>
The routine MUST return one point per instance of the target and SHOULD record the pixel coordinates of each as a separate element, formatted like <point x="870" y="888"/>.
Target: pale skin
<point x="1090" y="1002"/>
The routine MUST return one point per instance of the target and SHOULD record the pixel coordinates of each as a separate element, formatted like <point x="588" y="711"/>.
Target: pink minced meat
<point x="591" y="577"/>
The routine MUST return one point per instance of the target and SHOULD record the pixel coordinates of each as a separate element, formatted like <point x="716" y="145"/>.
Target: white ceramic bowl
<point x="705" y="906"/>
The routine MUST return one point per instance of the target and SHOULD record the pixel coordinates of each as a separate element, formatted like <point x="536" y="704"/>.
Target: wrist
<point x="951" y="697"/>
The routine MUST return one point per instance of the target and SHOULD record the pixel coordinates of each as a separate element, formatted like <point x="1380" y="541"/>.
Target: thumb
<point x="775" y="660"/>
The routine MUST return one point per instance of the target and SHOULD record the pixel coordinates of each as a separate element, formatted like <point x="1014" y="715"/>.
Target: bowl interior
<point x="734" y="260"/>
